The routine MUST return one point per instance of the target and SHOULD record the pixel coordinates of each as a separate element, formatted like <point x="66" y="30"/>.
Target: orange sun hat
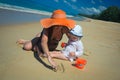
<point x="58" y="18"/>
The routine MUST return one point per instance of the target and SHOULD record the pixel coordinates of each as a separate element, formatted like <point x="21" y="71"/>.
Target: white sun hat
<point x="77" y="31"/>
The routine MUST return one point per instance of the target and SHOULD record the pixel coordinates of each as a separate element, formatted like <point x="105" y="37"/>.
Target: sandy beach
<point x="102" y="52"/>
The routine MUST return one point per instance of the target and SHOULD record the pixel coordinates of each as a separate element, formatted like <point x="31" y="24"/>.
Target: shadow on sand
<point x="42" y="62"/>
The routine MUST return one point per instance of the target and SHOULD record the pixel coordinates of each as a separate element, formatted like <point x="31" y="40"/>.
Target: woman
<point x="53" y="30"/>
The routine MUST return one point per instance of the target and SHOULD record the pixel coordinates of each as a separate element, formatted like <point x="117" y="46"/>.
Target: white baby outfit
<point x="73" y="46"/>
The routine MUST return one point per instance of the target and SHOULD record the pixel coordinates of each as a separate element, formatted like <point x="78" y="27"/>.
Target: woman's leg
<point x="27" y="45"/>
<point x="21" y="41"/>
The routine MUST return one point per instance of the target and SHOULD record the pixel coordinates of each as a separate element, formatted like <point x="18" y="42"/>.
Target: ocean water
<point x="12" y="14"/>
<point x="16" y="17"/>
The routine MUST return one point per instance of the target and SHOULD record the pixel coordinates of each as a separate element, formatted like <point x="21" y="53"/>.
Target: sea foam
<point x="23" y="9"/>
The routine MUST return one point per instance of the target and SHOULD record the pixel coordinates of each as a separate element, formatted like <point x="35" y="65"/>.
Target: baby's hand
<point x="72" y="54"/>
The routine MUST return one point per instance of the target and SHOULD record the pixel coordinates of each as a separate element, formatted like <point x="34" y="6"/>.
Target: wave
<point x="23" y="9"/>
<point x="28" y="10"/>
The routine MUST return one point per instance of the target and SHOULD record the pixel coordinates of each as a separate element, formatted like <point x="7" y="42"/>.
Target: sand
<point x="102" y="52"/>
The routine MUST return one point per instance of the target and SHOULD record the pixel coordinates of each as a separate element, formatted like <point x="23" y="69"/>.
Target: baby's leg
<point x="58" y="55"/>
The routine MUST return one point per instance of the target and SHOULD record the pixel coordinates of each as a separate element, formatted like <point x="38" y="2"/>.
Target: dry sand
<point x="102" y="52"/>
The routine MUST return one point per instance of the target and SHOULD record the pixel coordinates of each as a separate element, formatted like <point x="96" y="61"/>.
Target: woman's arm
<point x="44" y="41"/>
<point x="45" y="48"/>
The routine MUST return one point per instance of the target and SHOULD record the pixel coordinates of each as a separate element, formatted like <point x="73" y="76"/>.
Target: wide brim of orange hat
<point x="48" y="22"/>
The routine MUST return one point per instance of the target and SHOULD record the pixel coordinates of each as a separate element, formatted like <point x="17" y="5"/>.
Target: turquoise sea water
<point x="17" y="17"/>
<point x="10" y="14"/>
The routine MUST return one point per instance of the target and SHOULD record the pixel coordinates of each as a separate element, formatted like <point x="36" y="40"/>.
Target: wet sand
<point x="102" y="52"/>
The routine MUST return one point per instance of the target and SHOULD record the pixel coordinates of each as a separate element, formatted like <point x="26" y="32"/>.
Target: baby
<point x="74" y="47"/>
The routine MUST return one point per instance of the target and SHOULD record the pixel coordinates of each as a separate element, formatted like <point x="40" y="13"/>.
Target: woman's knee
<point x="27" y="46"/>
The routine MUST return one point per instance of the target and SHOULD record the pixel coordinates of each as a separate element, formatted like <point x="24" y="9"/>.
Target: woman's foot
<point x="21" y="41"/>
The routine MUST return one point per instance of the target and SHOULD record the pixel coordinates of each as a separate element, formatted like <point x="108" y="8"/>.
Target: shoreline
<point x="9" y="17"/>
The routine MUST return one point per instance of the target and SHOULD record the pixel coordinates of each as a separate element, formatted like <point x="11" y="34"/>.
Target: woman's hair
<point x="57" y="31"/>
<point x="55" y="34"/>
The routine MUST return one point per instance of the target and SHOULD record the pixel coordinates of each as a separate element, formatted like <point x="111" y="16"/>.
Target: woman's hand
<point x="51" y="61"/>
